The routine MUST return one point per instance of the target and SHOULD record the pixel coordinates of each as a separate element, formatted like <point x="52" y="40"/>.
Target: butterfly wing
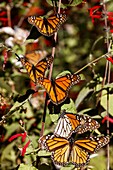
<point x="86" y="124"/>
<point x="58" y="89"/>
<point x="78" y="156"/>
<point x="30" y="68"/>
<point x="82" y="149"/>
<point x="62" y="86"/>
<point x="48" y="26"/>
<point x="39" y="69"/>
<point x="42" y="65"/>
<point x="37" y="21"/>
<point x="59" y="147"/>
<point x="69" y="123"/>
<point x="35" y="56"/>
<point x="54" y="23"/>
<point x="93" y="144"/>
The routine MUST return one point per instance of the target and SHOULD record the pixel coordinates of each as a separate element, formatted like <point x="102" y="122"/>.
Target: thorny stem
<point x="50" y="75"/>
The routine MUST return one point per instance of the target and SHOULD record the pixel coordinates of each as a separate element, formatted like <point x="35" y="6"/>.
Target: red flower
<point x="23" y="150"/>
<point x="3" y="17"/>
<point x="23" y="135"/>
<point x="95" y="13"/>
<point x="5" y="53"/>
<point x="111" y="31"/>
<point x="107" y="118"/>
<point x="110" y="58"/>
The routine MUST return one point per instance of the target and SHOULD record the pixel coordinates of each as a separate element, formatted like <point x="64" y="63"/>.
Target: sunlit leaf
<point x="54" y="117"/>
<point x="83" y="93"/>
<point x="65" y="3"/>
<point x="69" y="107"/>
<point x="104" y="100"/>
<point x="43" y="153"/>
<point x="11" y="129"/>
<point x="69" y="167"/>
<point x="8" y="152"/>
<point x="29" y="167"/>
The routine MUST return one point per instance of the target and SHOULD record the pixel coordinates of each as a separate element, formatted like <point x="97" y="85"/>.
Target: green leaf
<point x="8" y="152"/>
<point x="83" y="93"/>
<point x="104" y="101"/>
<point x="43" y="153"/>
<point x="103" y="114"/>
<point x="44" y="166"/>
<point x="69" y="107"/>
<point x="30" y="123"/>
<point x="68" y="3"/>
<point x="4" y="85"/>
<point x="76" y="2"/>
<point x="63" y="73"/>
<point x="11" y="129"/>
<point x="27" y="167"/>
<point x="69" y="167"/>
<point x="54" y="117"/>
<point x="84" y="111"/>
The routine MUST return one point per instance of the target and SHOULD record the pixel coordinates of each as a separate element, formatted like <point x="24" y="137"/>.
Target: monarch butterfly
<point x="47" y="26"/>
<point x="72" y="151"/>
<point x="35" y="56"/>
<point x="39" y="69"/>
<point x="69" y="123"/>
<point x="58" y="89"/>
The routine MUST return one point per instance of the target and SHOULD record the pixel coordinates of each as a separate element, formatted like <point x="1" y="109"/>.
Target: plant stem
<point x="50" y="75"/>
<point x="107" y="75"/>
<point x="9" y="15"/>
<point x="96" y="60"/>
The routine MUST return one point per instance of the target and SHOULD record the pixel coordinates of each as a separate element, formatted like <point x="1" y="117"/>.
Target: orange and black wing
<point x="39" y="69"/>
<point x="35" y="56"/>
<point x="58" y="89"/>
<point x="42" y="66"/>
<point x="62" y="86"/>
<point x="93" y="144"/>
<point x="48" y="26"/>
<point x="69" y="123"/>
<point x="69" y="151"/>
<point x="82" y="149"/>
<point x="59" y="147"/>
<point x="78" y="156"/>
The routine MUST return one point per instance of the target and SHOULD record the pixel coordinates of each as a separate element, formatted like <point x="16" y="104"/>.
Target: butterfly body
<point x="69" y="123"/>
<point x="58" y="89"/>
<point x="47" y="26"/>
<point x="72" y="151"/>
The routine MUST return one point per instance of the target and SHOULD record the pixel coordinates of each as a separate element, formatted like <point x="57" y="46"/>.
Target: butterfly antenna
<point x="18" y="58"/>
<point x="54" y="2"/>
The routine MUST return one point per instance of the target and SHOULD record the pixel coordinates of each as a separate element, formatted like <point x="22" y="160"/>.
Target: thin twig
<point x="92" y="62"/>
<point x="10" y="113"/>
<point x="50" y="75"/>
<point x="107" y="72"/>
<point x="44" y="117"/>
<point x="31" y="143"/>
<point x="9" y="15"/>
